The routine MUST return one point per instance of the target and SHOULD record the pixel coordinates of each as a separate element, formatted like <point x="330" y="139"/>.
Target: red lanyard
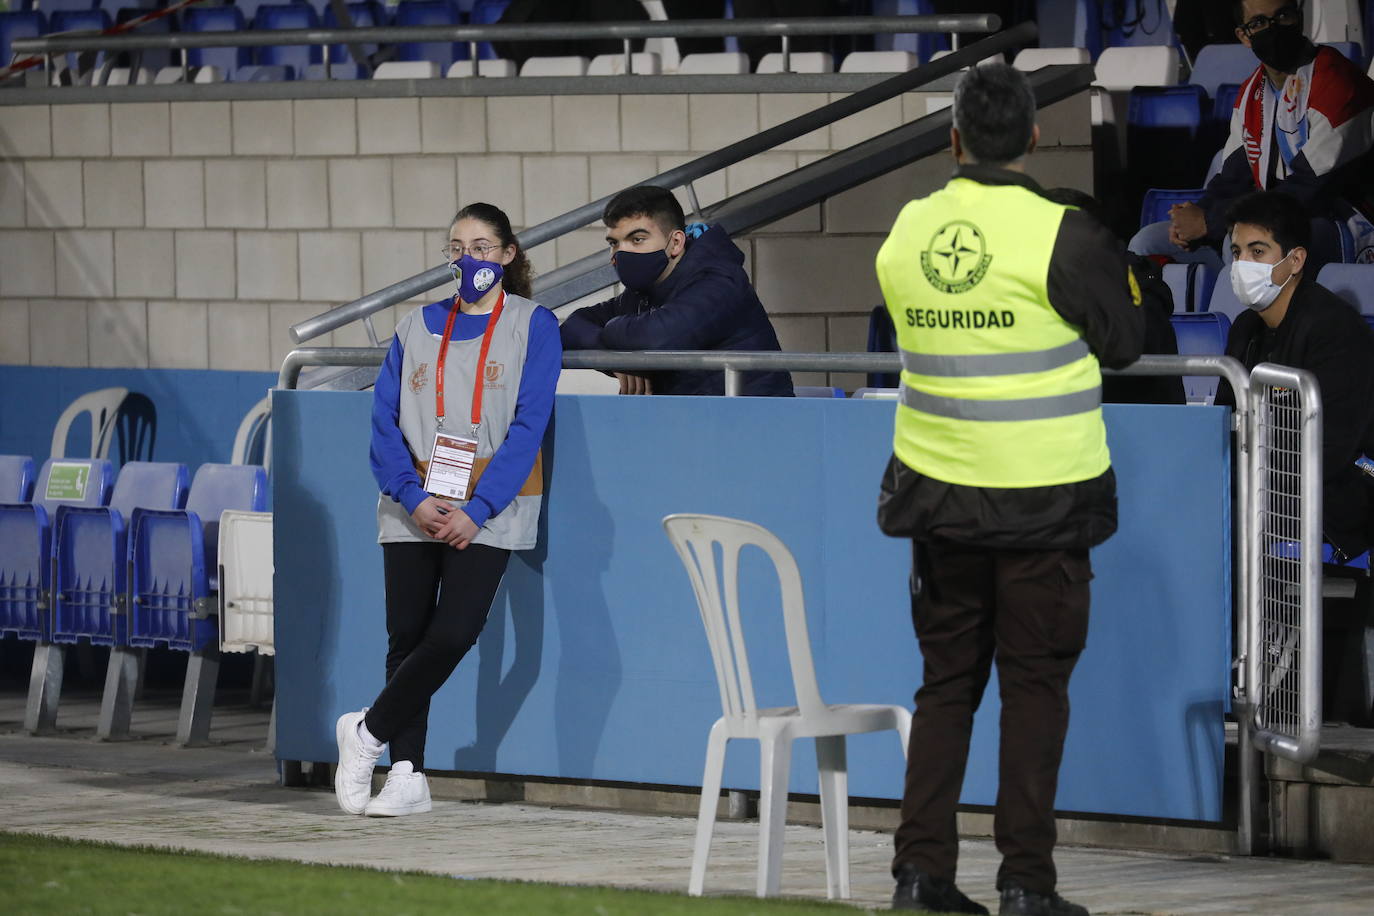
<point x="478" y="384"/>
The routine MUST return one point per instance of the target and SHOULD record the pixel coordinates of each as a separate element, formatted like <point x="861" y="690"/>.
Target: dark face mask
<point x="640" y="270"/>
<point x="1283" y="47"/>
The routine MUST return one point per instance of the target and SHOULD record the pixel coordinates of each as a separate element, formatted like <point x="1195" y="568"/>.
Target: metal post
<point x="45" y="688"/>
<point x="692" y="196"/>
<point x="733" y="380"/>
<point x="472" y="56"/>
<point x="629" y="59"/>
<point x="117" y="703"/>
<point x="371" y="331"/>
<point x="736" y="804"/>
<point x="786" y="54"/>
<point x="198" y="698"/>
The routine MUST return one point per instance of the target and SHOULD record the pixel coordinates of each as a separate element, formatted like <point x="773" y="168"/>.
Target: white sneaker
<point x="405" y="792"/>
<point x="353" y="777"/>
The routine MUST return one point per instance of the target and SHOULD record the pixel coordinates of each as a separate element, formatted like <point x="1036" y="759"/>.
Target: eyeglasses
<point x="453" y="251"/>
<point x="1289" y="15"/>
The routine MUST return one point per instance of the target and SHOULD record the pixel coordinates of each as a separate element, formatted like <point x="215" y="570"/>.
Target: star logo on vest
<point x="419" y="378"/>
<point x="956" y="260"/>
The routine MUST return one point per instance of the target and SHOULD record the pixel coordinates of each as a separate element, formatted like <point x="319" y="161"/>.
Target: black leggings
<point x="437" y="601"/>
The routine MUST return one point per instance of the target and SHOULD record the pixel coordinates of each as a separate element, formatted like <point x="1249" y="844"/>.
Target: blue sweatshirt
<point x="392" y="465"/>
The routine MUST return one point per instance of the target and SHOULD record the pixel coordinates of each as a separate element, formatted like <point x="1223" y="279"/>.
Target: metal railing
<point x="1284" y="637"/>
<point x="683" y="176"/>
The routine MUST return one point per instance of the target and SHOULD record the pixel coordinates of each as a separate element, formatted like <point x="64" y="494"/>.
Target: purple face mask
<point x="475" y="278"/>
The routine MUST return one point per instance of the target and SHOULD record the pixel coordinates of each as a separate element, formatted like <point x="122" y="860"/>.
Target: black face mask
<point x="1282" y="47"/>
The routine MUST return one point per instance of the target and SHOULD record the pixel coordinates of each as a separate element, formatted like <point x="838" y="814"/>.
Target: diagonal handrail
<point x="686" y="173"/>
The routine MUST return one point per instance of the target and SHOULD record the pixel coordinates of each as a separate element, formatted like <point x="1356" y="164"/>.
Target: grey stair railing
<point x="751" y="209"/>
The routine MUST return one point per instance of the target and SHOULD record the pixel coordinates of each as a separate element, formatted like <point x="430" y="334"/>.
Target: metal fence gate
<point x="1284" y="642"/>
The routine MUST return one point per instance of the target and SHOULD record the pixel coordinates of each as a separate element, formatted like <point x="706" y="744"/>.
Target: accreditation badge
<point x="450" y="466"/>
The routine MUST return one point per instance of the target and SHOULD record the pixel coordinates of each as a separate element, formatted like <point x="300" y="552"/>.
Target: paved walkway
<point x="226" y="799"/>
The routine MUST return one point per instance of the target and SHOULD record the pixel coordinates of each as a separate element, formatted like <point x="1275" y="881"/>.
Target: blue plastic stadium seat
<point x="90" y="550"/>
<point x="1162" y="128"/>
<point x="923" y="45"/>
<point x="26" y="540"/>
<point x="364" y="15"/>
<point x="1191" y="285"/>
<point x="1178" y="107"/>
<point x="80" y="21"/>
<point x="1070" y="24"/>
<point x="1201" y="334"/>
<point x="1218" y="65"/>
<point x="430" y="12"/>
<point x="295" y="58"/>
<point x="1352" y="282"/>
<point x="1157" y="201"/>
<point x="168" y="551"/>
<point x="216" y="19"/>
<point x="19" y="24"/>
<point x="817" y="391"/>
<point x="1224" y="102"/>
<point x="487" y="12"/>
<point x="249" y="8"/>
<point x="16" y="478"/>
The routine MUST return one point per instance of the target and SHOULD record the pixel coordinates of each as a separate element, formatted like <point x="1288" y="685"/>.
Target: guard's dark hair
<point x="994" y="110"/>
<point x="657" y="203"/>
<point x="1283" y="216"/>
<point x="1072" y="197"/>
<point x="518" y="276"/>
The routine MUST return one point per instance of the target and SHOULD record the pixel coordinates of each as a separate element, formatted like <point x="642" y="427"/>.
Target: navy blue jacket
<point x="706" y="303"/>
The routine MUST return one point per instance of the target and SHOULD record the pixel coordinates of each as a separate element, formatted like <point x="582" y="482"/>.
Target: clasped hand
<point x="445" y="522"/>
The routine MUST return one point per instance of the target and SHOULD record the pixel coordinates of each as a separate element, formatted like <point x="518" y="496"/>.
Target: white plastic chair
<point x="1029" y="59"/>
<point x="259" y="417"/>
<point x="721" y="62"/>
<point x="103" y="406"/>
<point x="245" y="582"/>
<point x="797" y="62"/>
<point x="491" y="68"/>
<point x="406" y="70"/>
<point x="554" y="66"/>
<point x="642" y="63"/>
<point x="879" y="62"/>
<point x="717" y="592"/>
<point x="1121" y="69"/>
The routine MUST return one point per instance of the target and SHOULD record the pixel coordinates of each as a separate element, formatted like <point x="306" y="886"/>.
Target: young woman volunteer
<point x="458" y="414"/>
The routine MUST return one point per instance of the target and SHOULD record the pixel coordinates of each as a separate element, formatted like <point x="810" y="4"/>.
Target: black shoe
<point x="919" y="892"/>
<point x="1017" y="901"/>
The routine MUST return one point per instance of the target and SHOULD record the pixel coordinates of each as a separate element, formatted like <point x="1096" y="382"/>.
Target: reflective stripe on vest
<point x="993" y="363"/>
<point x="1004" y="410"/>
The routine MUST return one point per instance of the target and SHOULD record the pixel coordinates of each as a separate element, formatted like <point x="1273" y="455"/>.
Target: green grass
<point x="47" y="875"/>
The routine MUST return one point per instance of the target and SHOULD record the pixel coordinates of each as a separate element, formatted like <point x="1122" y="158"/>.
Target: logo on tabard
<point x="419" y="378"/>
<point x="956" y="260"/>
<point x="492" y="373"/>
<point x="483" y="279"/>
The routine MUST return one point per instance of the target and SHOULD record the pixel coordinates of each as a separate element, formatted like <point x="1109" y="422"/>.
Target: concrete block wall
<point x="194" y="234"/>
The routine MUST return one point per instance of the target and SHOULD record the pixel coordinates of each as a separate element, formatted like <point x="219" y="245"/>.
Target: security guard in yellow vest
<point x="1005" y="304"/>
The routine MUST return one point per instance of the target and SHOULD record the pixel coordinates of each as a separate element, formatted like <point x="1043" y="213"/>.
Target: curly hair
<point x="518" y="275"/>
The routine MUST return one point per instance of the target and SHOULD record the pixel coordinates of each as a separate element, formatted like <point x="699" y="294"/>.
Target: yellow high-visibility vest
<point x="998" y="390"/>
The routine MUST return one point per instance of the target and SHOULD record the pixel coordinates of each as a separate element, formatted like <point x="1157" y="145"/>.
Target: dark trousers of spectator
<point x="437" y="601"/>
<point x="1028" y="609"/>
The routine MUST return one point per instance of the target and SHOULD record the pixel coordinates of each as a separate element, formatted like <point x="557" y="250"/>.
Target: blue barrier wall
<point x="198" y="411"/>
<point x="594" y="664"/>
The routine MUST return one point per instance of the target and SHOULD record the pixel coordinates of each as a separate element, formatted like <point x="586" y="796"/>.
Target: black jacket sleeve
<point x="582" y="329"/>
<point x="1088" y="287"/>
<point x="698" y="315"/>
<point x="1338" y="354"/>
<point x="1231" y="183"/>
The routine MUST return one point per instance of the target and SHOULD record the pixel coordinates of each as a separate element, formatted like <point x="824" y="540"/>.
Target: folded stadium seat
<point x="1127" y="68"/>
<point x="1070" y="24"/>
<point x="123" y="76"/>
<point x="225" y="61"/>
<point x="817" y="391"/>
<point x="642" y="63"/>
<point x="84" y="20"/>
<point x="245" y="577"/>
<point x="1352" y="282"/>
<point x="407" y="70"/>
<point x="876" y="394"/>
<point x="1191" y="285"/>
<point x="924" y="44"/>
<point x="16" y="478"/>
<point x="172" y="588"/>
<point x="723" y="62"/>
<point x="430" y="12"/>
<point x="1201" y="334"/>
<point x="554" y="66"/>
<point x="364" y="15"/>
<point x="1029" y="59"/>
<point x="1162" y="127"/>
<point x="122" y="66"/>
<point x="879" y="62"/>
<point x="1221" y="65"/>
<point x="798" y="62"/>
<point x="492" y="68"/>
<point x="19" y="24"/>
<point x="1157" y="201"/>
<point x="1223" y="300"/>
<point x="488" y="12"/>
<point x="26" y="539"/>
<point x="294" y="58"/>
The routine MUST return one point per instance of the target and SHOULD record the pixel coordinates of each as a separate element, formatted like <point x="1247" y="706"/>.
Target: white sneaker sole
<point x="346" y="721"/>
<point x="374" y="810"/>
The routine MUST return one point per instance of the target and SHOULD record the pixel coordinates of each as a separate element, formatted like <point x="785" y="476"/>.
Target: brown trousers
<point x="1028" y="609"/>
